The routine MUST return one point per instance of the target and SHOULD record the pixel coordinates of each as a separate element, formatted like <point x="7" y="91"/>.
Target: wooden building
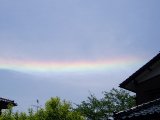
<point x="145" y="82"/>
<point x="4" y="103"/>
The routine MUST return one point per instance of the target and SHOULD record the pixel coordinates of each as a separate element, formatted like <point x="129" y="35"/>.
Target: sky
<point x="71" y="48"/>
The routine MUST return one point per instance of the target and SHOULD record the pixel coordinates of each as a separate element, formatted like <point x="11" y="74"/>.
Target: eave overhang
<point x="130" y="82"/>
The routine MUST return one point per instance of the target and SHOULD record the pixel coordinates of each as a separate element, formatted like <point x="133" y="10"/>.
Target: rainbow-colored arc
<point x="76" y="66"/>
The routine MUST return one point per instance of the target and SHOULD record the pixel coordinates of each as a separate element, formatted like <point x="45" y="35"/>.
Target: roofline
<point x="153" y="102"/>
<point x="128" y="89"/>
<point x="8" y="101"/>
<point x="138" y="72"/>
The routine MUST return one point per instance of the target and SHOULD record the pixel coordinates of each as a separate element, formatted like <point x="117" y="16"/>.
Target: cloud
<point x="26" y="88"/>
<point x="69" y="31"/>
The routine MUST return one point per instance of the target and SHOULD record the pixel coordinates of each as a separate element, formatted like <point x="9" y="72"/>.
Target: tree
<point x="91" y="109"/>
<point x="101" y="109"/>
<point x="55" y="109"/>
<point x="60" y="110"/>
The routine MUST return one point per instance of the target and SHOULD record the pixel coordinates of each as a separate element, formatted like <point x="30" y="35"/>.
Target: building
<point x="4" y="103"/>
<point x="145" y="82"/>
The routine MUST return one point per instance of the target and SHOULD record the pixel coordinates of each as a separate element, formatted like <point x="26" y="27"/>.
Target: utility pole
<point x="37" y="106"/>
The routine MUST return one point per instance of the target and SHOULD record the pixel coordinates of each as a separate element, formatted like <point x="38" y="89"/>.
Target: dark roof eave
<point x="132" y="90"/>
<point x="138" y="72"/>
<point x="138" y="108"/>
<point x="7" y="101"/>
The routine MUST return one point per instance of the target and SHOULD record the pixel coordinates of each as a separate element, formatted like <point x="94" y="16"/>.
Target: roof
<point x="140" y="71"/>
<point x="144" y="111"/>
<point x="5" y="102"/>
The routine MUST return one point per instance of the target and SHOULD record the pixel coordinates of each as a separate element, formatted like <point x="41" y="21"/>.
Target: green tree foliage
<point x="101" y="109"/>
<point x="60" y="110"/>
<point x="92" y="109"/>
<point x="55" y="109"/>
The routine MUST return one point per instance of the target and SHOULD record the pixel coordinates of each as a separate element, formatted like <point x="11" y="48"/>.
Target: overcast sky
<point x="69" y="48"/>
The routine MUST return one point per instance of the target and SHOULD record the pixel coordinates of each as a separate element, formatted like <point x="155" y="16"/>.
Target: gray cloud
<point x="73" y="30"/>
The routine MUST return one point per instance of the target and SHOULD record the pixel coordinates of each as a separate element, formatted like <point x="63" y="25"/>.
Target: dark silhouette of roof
<point x="5" y="102"/>
<point x="140" y="71"/>
<point x="144" y="111"/>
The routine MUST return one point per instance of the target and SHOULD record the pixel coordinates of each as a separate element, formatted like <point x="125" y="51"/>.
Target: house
<point x="4" y="103"/>
<point x="145" y="82"/>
